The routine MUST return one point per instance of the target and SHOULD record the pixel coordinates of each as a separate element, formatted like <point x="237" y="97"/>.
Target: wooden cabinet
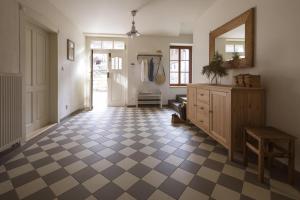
<point x="222" y="111"/>
<point x="191" y="107"/>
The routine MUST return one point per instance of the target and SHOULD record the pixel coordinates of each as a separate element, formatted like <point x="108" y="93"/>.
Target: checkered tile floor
<point x="129" y="153"/>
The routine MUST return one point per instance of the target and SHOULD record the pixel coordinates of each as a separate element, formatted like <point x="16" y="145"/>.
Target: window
<point x="108" y="44"/>
<point x="119" y="45"/>
<point x="116" y="63"/>
<point x="239" y="48"/>
<point x="231" y="48"/>
<point x="180" y="65"/>
<point x="96" y="45"/>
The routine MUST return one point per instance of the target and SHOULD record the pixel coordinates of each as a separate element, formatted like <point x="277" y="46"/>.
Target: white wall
<point x="151" y="44"/>
<point x="276" y="55"/>
<point x="9" y="37"/>
<point x="70" y="79"/>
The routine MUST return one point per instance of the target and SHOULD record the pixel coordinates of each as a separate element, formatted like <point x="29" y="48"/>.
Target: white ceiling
<point x="155" y="17"/>
<point x="236" y="33"/>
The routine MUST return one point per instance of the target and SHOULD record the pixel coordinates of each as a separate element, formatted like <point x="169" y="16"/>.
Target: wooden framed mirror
<point x="235" y="41"/>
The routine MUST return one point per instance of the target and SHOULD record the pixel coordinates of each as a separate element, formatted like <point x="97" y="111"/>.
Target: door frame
<point x="124" y="73"/>
<point x="28" y="17"/>
<point x="92" y="81"/>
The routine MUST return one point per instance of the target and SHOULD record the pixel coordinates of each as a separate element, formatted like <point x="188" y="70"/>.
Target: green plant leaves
<point x="215" y="67"/>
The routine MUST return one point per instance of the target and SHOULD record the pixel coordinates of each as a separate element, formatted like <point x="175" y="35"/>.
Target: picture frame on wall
<point x="70" y="50"/>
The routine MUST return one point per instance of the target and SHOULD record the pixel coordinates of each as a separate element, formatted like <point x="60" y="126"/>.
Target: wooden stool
<point x="266" y="146"/>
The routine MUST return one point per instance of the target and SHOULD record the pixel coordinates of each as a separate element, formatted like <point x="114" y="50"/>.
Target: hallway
<point x="129" y="153"/>
<point x="73" y="73"/>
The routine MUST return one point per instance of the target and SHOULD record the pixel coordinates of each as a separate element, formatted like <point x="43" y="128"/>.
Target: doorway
<point x="100" y="86"/>
<point x="107" y="78"/>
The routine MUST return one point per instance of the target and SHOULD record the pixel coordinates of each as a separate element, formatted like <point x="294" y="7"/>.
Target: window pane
<point x="184" y="78"/>
<point x="173" y="78"/>
<point x="174" y="66"/>
<point x="229" y="48"/>
<point x="100" y="62"/>
<point x="174" y="54"/>
<point x="184" y="66"/>
<point x="113" y="63"/>
<point x="107" y="44"/>
<point x="119" y="45"/>
<point x="239" y="48"/>
<point x="116" y="63"/>
<point x="185" y="54"/>
<point x="120" y="63"/>
<point x="96" y="45"/>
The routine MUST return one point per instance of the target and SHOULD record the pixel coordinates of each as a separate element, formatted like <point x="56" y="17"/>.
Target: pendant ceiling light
<point x="133" y="32"/>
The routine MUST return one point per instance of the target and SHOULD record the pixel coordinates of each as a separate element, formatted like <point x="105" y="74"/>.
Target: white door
<point x="36" y="78"/>
<point x="116" y="79"/>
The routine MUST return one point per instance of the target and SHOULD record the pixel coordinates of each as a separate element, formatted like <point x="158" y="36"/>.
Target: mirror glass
<point x="231" y="43"/>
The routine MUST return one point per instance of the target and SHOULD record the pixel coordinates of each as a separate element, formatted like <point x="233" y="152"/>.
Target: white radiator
<point x="10" y="110"/>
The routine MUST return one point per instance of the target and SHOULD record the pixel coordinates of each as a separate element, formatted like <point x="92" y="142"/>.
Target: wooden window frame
<point x="179" y="65"/>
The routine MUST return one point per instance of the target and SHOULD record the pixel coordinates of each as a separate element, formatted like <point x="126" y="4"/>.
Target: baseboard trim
<point x="38" y="132"/>
<point x="148" y="106"/>
<point x="16" y="149"/>
<point x="12" y="152"/>
<point x="73" y="113"/>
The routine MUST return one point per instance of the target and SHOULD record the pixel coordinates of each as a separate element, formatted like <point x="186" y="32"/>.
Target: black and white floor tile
<point x="130" y="153"/>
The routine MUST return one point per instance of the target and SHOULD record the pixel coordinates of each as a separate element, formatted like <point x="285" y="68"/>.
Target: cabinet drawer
<point x="202" y="120"/>
<point x="202" y="96"/>
<point x="203" y="108"/>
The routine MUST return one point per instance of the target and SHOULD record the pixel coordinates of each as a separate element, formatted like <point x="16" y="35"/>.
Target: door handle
<point x="107" y="74"/>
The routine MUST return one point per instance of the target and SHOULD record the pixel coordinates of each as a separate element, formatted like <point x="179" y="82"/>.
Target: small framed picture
<point x="70" y="50"/>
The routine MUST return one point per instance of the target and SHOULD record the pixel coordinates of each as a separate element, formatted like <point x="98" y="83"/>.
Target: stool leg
<point x="261" y="159"/>
<point x="231" y="153"/>
<point x="245" y="154"/>
<point x="270" y="158"/>
<point x="291" y="165"/>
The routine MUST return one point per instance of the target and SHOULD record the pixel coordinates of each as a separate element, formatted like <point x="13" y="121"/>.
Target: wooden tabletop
<point x="269" y="133"/>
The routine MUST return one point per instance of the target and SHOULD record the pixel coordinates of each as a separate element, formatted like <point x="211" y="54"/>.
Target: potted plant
<point x="215" y="69"/>
<point x="235" y="62"/>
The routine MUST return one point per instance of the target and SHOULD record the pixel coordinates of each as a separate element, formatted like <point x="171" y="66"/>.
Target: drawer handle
<point x="201" y="94"/>
<point x="201" y="121"/>
<point x="202" y="108"/>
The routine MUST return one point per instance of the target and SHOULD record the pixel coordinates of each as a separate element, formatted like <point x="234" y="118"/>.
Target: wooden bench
<point x="264" y="143"/>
